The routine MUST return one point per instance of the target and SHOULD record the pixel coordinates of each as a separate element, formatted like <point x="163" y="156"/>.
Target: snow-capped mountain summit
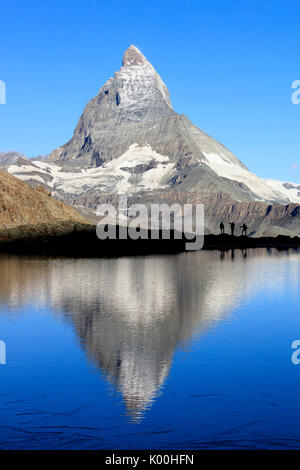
<point x="129" y="140"/>
<point x="132" y="119"/>
<point x="140" y="81"/>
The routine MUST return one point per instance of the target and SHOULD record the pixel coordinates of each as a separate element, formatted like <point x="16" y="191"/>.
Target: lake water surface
<point x="188" y="351"/>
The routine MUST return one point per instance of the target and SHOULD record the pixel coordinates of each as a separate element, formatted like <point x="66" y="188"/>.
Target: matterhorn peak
<point x="133" y="56"/>
<point x="138" y="85"/>
<point x="141" y="147"/>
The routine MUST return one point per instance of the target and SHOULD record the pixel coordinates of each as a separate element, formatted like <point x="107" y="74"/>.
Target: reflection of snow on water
<point x="131" y="314"/>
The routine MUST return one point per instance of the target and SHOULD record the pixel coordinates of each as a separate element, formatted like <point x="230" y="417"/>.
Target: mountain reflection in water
<point x="132" y="314"/>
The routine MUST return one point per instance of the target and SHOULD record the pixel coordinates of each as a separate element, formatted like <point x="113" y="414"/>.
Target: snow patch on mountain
<point x="142" y="169"/>
<point x="290" y="190"/>
<point x="225" y="168"/>
<point x="138" y="169"/>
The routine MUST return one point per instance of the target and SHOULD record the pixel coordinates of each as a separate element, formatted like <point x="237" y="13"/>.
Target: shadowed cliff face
<point x="131" y="314"/>
<point x="262" y="219"/>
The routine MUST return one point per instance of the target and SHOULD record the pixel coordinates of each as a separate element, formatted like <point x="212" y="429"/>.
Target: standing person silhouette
<point x="244" y="231"/>
<point x="232" y="227"/>
<point x="222" y="228"/>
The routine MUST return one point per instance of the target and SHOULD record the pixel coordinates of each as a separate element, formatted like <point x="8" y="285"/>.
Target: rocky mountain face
<point x="129" y="140"/>
<point x="130" y="133"/>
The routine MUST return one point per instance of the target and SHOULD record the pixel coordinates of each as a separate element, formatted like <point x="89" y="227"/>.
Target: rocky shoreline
<point x="80" y="240"/>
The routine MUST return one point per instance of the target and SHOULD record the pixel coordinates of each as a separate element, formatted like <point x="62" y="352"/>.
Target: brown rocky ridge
<point x="26" y="212"/>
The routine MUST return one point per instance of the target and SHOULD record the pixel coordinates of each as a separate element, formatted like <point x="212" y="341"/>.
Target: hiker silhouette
<point x="232" y="227"/>
<point x="245" y="228"/>
<point x="222" y="228"/>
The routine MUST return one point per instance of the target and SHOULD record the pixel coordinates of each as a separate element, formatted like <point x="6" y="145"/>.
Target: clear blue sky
<point x="228" y="64"/>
